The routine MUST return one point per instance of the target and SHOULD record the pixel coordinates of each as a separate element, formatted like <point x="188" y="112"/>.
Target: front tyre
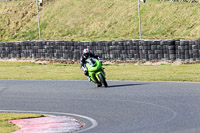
<point x="103" y="80"/>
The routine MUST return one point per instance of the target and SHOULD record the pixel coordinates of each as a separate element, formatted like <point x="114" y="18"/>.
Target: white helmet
<point x="86" y="53"/>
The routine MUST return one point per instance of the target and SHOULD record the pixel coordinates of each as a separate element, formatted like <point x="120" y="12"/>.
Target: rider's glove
<point x="100" y="61"/>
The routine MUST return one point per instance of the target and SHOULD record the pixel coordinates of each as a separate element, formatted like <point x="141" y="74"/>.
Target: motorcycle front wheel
<point x="103" y="80"/>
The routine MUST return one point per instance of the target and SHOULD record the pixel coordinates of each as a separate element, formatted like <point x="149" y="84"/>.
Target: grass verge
<point x="7" y="127"/>
<point x="87" y="20"/>
<point x="163" y="72"/>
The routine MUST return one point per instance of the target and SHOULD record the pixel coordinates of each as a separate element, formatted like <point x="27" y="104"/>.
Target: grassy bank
<point x="7" y="127"/>
<point x="99" y="20"/>
<point x="163" y="72"/>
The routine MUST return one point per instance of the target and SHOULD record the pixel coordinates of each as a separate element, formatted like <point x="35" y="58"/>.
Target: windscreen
<point x="90" y="61"/>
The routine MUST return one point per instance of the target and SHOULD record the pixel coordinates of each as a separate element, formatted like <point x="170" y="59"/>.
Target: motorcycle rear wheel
<point x="103" y="80"/>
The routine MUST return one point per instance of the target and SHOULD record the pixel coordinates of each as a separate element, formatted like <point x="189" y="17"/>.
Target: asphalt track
<point x="124" y="107"/>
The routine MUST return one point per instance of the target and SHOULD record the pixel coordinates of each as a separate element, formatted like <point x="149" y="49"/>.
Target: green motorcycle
<point x="96" y="72"/>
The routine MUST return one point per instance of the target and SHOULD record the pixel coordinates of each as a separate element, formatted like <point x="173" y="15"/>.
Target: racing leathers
<point x="83" y="62"/>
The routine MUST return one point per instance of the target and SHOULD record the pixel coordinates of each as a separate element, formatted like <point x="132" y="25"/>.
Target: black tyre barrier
<point x="127" y="50"/>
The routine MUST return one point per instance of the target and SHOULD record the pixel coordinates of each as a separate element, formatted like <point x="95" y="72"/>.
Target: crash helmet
<point x="86" y="53"/>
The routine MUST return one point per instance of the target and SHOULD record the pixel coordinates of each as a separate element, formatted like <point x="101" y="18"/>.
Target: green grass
<point x="31" y="71"/>
<point x="7" y="127"/>
<point x="155" y="73"/>
<point x="86" y="20"/>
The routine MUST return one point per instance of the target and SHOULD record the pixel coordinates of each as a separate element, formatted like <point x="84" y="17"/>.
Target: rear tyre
<point x="103" y="80"/>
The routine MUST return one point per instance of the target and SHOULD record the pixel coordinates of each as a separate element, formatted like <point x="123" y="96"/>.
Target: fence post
<point x="38" y="19"/>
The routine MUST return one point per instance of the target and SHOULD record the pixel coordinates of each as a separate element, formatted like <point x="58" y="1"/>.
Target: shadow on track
<point x="123" y="85"/>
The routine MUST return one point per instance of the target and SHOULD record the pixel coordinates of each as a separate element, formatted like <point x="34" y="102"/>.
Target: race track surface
<point x="124" y="107"/>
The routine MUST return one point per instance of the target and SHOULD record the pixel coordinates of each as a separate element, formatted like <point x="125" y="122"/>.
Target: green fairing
<point x="95" y="69"/>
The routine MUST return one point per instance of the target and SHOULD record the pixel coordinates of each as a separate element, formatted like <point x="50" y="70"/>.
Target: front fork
<point x="100" y="72"/>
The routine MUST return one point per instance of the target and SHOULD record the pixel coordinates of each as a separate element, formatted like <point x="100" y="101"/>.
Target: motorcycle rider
<point x="87" y="53"/>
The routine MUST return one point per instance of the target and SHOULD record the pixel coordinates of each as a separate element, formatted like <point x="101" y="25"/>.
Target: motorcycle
<point x="96" y="72"/>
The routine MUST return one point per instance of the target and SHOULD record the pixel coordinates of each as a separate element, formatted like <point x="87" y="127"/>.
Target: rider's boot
<point x="89" y="79"/>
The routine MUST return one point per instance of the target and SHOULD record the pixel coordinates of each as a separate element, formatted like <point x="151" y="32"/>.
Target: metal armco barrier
<point x="128" y="50"/>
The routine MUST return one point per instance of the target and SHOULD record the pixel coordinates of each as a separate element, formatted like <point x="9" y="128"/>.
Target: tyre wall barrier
<point x="128" y="50"/>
